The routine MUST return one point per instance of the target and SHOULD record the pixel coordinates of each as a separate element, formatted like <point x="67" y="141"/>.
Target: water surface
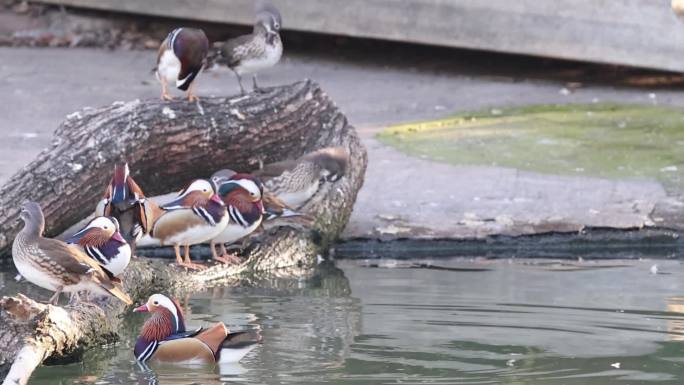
<point x="464" y="322"/>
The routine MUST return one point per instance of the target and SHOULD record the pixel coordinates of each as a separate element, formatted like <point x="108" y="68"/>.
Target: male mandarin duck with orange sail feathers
<point x="243" y="194"/>
<point x="102" y="241"/>
<point x="196" y="216"/>
<point x="124" y="200"/>
<point x="180" y="59"/>
<point x="164" y="338"/>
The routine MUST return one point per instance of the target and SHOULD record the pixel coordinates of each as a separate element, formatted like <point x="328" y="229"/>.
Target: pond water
<point x="461" y="321"/>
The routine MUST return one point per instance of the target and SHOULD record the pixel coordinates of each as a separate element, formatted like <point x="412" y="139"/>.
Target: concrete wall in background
<point x="642" y="33"/>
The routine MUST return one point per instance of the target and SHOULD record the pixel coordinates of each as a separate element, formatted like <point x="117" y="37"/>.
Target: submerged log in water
<point x="166" y="145"/>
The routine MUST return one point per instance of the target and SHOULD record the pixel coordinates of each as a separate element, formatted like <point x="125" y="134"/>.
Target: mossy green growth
<point x="604" y="140"/>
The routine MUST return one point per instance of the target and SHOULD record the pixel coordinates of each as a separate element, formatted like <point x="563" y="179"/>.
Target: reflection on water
<point x="465" y="322"/>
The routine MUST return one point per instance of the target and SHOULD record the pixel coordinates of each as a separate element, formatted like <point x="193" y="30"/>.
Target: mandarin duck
<point x="197" y="215"/>
<point x="54" y="265"/>
<point x="296" y="181"/>
<point x="274" y="207"/>
<point x="180" y="59"/>
<point x="164" y="338"/>
<point x="241" y="193"/>
<point x="249" y="54"/>
<point x="124" y="200"/>
<point x="102" y="241"/>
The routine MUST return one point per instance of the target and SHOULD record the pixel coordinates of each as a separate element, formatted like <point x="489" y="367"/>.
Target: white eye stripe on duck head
<point x="250" y="186"/>
<point x="160" y="300"/>
<point x="200" y="185"/>
<point x="105" y="223"/>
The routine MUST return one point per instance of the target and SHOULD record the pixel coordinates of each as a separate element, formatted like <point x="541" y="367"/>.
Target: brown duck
<point x="296" y="181"/>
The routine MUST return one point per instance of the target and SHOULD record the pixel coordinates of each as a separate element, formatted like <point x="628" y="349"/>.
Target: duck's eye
<point x="156" y="302"/>
<point x="204" y="190"/>
<point x="106" y="227"/>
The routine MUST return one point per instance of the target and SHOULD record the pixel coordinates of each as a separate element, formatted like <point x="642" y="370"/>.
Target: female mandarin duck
<point x="262" y="49"/>
<point x="124" y="200"/>
<point x="102" y="241"/>
<point x="241" y="193"/>
<point x="180" y="59"/>
<point x="196" y="216"/>
<point x="56" y="266"/>
<point x="164" y="339"/>
<point x="296" y="181"/>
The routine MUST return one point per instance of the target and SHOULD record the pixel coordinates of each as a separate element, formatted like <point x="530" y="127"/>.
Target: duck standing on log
<point x="56" y="266"/>
<point x="246" y="212"/>
<point x="274" y="207"/>
<point x="124" y="200"/>
<point x="102" y="241"/>
<point x="164" y="339"/>
<point x="296" y="181"/>
<point x="241" y="193"/>
<point x="262" y="49"/>
<point x="196" y="216"/>
<point x="180" y="59"/>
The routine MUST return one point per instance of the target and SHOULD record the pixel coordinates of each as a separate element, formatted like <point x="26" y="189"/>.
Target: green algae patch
<point x="604" y="140"/>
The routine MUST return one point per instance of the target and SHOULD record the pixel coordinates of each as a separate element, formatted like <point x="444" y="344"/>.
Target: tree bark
<point x="166" y="145"/>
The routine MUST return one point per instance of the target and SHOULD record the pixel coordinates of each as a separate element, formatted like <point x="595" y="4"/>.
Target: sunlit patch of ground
<point x="604" y="140"/>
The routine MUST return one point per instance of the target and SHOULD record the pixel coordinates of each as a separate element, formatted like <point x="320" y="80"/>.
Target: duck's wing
<point x="233" y="51"/>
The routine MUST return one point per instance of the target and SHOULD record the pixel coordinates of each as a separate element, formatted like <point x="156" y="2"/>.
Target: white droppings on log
<point x="74" y="115"/>
<point x="200" y="109"/>
<point x="237" y="113"/>
<point x="237" y="100"/>
<point x="213" y="123"/>
<point x="169" y="113"/>
<point x="75" y="166"/>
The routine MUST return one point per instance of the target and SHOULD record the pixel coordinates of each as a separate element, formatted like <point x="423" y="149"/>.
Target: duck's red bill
<point x="141" y="309"/>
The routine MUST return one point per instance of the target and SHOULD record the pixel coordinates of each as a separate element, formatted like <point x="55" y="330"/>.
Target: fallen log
<point x="167" y="144"/>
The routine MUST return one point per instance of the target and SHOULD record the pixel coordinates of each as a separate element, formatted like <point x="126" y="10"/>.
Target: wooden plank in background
<point x="642" y="33"/>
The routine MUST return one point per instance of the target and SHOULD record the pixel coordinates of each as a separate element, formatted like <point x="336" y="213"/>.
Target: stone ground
<point x="403" y="196"/>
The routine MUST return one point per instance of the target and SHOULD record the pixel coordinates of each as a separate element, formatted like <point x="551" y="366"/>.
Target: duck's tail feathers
<point x="184" y="84"/>
<point x="298" y="222"/>
<point x="237" y="345"/>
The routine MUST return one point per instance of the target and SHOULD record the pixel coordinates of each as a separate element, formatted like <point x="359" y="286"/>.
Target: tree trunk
<point x="166" y="145"/>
